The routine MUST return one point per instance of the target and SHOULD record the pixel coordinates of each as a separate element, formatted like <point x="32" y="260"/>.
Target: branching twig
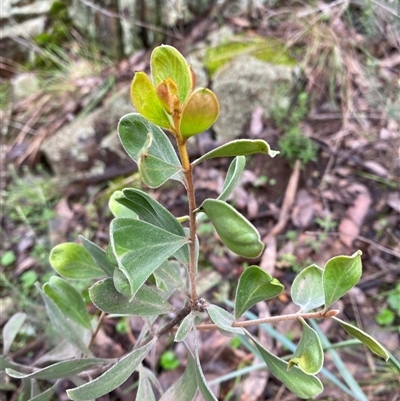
<point x="176" y="320"/>
<point x="272" y="319"/>
<point x="188" y="169"/>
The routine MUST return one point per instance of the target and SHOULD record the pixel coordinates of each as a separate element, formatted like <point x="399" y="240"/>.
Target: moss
<point x="57" y="32"/>
<point x="265" y="49"/>
<point x="59" y="9"/>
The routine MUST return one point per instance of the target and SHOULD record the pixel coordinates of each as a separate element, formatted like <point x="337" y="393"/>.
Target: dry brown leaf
<point x="24" y="265"/>
<point x="358" y="295"/>
<point x="241" y="22"/>
<point x="393" y="200"/>
<point x="241" y="197"/>
<point x="214" y="344"/>
<point x="252" y="206"/>
<point x="387" y="134"/>
<point x="268" y="259"/>
<point x="60" y="223"/>
<point x="350" y="225"/>
<point x="210" y="179"/>
<point x="105" y="347"/>
<point x="290" y="327"/>
<point x="303" y="209"/>
<point x="376" y="168"/>
<point x="391" y="61"/>
<point x="256" y="122"/>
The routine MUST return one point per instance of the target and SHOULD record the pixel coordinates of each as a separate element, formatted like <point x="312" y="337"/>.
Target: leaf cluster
<point x="151" y="255"/>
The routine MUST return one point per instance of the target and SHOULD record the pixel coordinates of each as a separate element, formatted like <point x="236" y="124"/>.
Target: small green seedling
<point x="168" y="360"/>
<point x="8" y="258"/>
<point x="152" y="253"/>
<point x="387" y="315"/>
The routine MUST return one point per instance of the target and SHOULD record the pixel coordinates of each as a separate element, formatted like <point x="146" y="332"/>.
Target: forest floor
<point x="346" y="199"/>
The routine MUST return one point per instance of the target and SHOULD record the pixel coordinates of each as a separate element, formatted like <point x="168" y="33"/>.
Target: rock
<point x="100" y="22"/>
<point x="13" y="48"/>
<point x="90" y="146"/>
<point x="174" y="11"/>
<point x="118" y="27"/>
<point x="244" y="84"/>
<point x="6" y="9"/>
<point x="130" y="31"/>
<point x="22" y="12"/>
<point x="24" y="20"/>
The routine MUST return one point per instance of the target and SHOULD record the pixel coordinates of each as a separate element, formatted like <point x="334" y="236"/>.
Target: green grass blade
<point x="291" y="346"/>
<point x="358" y="393"/>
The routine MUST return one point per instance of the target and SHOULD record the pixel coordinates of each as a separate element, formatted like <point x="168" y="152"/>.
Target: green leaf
<point x="223" y="319"/>
<point x="122" y="284"/>
<point x="133" y="130"/>
<point x="111" y="259"/>
<point x="232" y="177"/>
<point x="185" y="388"/>
<point x="151" y="211"/>
<point x="199" y="113"/>
<point x="28" y="388"/>
<point x="341" y="273"/>
<point x="61" y="369"/>
<point x="4" y="363"/>
<point x="202" y="384"/>
<point x="236" y="232"/>
<point x="255" y="285"/>
<point x="185" y="327"/>
<point x="73" y="261"/>
<point x="168" y="276"/>
<point x="46" y="395"/>
<point x="98" y="255"/>
<point x="118" y="209"/>
<point x="68" y="300"/>
<point x="365" y="338"/>
<point x="62" y="351"/>
<point x="11" y="329"/>
<point x="146" y="302"/>
<point x="146" y="101"/>
<point x="385" y="317"/>
<point x="145" y="392"/>
<point x="152" y="378"/>
<point x="307" y="289"/>
<point x="8" y="258"/>
<point x="113" y="377"/>
<point x="238" y="147"/>
<point x="168" y="360"/>
<point x="141" y="248"/>
<point x="352" y="387"/>
<point x="166" y="62"/>
<point x="153" y="170"/>
<point x="309" y="355"/>
<point x="303" y="385"/>
<point x="393" y="299"/>
<point x="72" y="332"/>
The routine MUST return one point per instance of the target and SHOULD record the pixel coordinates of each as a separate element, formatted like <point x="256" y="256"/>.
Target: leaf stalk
<point x="272" y="319"/>
<point x="187" y="168"/>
